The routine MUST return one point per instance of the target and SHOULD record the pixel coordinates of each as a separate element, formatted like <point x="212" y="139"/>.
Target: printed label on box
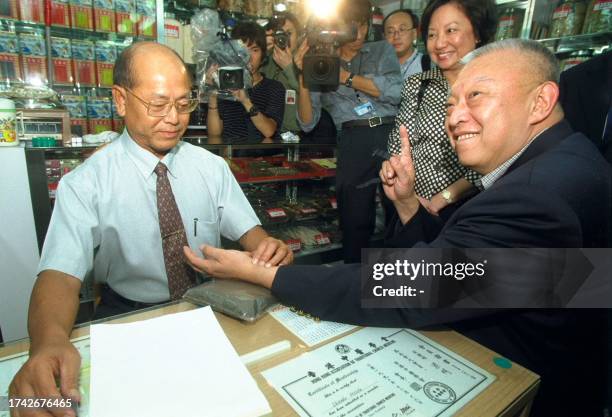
<point x="31" y="11"/>
<point x="602" y="5"/>
<point x="84" y="73"/>
<point x="294" y="244"/>
<point x="81" y="16"/>
<point x="126" y="24"/>
<point x="62" y="71"/>
<point x="76" y="106"/>
<point x="100" y="125"/>
<point x="32" y="45"/>
<point x="8" y="9"/>
<point x="333" y="202"/>
<point x="83" y="50"/>
<point x="60" y="13"/>
<point x="146" y="26"/>
<point x="10" y="67"/>
<point x="79" y="127"/>
<point x="276" y="213"/>
<point x="9" y="43"/>
<point x="104" y="20"/>
<point x="34" y="69"/>
<point x="105" y="52"/>
<point x="322" y="239"/>
<point x="99" y="108"/>
<point x="60" y="48"/>
<point x="104" y="74"/>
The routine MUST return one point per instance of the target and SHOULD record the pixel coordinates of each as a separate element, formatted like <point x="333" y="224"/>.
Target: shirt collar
<point x="144" y="160"/>
<point x="489" y="179"/>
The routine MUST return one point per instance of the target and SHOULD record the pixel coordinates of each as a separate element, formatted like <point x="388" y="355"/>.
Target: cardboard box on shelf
<point x="126" y="17"/>
<point x="10" y="67"/>
<point x="60" y="13"/>
<point x="31" y="11"/>
<point x="81" y="14"/>
<point x="104" y="16"/>
<point x="33" y="58"/>
<point x="106" y="55"/>
<point x="8" y="9"/>
<point x="83" y="59"/>
<point x="61" y="53"/>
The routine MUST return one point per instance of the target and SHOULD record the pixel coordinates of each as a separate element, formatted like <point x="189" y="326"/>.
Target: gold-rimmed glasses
<point x="161" y="107"/>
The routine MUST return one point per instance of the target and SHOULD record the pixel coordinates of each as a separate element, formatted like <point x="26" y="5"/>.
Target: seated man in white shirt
<point x="111" y="212"/>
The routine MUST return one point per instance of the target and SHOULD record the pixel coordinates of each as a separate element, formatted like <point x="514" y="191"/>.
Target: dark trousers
<point x="356" y="166"/>
<point x="113" y="304"/>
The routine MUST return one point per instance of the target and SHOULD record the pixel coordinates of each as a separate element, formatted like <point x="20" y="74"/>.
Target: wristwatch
<point x="254" y="111"/>
<point x="349" y="80"/>
<point x="447" y="196"/>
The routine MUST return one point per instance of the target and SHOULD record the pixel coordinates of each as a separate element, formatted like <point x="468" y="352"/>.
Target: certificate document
<point x="379" y="372"/>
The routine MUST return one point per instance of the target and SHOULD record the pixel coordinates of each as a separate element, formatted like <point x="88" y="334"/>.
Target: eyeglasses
<point x="402" y="31"/>
<point x="161" y="108"/>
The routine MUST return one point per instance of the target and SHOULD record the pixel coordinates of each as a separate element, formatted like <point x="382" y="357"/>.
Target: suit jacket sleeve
<point x="520" y="216"/>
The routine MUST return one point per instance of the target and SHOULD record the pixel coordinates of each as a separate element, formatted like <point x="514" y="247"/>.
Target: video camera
<point x="322" y="63"/>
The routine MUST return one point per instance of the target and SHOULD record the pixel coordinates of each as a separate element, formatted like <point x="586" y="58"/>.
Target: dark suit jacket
<point x="557" y="194"/>
<point x="586" y="97"/>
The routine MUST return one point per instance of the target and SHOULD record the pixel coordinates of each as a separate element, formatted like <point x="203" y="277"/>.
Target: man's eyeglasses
<point x="161" y="107"/>
<point x="402" y="31"/>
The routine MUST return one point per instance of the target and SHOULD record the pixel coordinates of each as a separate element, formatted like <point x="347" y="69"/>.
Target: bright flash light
<point x="323" y="9"/>
<point x="280" y="7"/>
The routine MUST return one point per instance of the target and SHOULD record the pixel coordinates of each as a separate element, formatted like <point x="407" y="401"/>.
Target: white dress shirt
<point x="105" y="216"/>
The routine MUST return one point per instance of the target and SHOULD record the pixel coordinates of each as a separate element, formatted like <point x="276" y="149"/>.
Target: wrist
<point x="265" y="276"/>
<point x="407" y="208"/>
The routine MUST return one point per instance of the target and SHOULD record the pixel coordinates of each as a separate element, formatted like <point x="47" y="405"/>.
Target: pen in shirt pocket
<point x="195" y="226"/>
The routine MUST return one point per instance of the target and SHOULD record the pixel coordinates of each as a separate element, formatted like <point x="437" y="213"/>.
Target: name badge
<point x="290" y="97"/>
<point x="364" y="109"/>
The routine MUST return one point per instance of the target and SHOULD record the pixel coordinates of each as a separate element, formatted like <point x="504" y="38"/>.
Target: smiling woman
<point x="450" y="29"/>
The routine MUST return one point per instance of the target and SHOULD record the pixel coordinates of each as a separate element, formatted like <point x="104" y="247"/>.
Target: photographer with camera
<point x="282" y="33"/>
<point x="258" y="111"/>
<point x="363" y="108"/>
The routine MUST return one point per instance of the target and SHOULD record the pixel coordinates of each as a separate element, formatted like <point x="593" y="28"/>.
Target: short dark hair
<point x="355" y="11"/>
<point x="482" y="14"/>
<point x="123" y="73"/>
<point x="279" y="19"/>
<point x="249" y="33"/>
<point x="413" y="17"/>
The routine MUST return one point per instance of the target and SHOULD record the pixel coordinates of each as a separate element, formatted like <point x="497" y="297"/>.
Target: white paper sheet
<point x="308" y="330"/>
<point x="176" y="365"/>
<point x="379" y="372"/>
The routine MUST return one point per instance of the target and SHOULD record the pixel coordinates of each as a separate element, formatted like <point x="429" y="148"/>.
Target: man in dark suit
<point x="544" y="186"/>
<point x="586" y="98"/>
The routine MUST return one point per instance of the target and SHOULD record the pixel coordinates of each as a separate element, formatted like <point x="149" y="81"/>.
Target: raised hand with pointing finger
<point x="397" y="176"/>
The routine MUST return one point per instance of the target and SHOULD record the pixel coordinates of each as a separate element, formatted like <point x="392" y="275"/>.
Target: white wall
<point x="18" y="246"/>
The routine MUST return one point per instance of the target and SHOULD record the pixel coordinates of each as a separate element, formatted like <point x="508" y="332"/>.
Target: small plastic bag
<point x="237" y="299"/>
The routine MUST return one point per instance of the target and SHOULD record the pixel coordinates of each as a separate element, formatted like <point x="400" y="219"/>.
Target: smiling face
<point x="400" y="33"/>
<point x="450" y="36"/>
<point x="493" y="110"/>
<point x="159" y="76"/>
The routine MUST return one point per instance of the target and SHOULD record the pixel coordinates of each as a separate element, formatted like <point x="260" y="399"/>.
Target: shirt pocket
<point x="203" y="232"/>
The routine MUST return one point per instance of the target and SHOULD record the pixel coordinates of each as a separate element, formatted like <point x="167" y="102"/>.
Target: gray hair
<point x="545" y="64"/>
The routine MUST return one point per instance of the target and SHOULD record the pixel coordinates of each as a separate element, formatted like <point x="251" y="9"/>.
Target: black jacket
<point x="557" y="194"/>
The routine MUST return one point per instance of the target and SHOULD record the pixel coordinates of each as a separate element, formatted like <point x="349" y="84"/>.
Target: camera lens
<point x="321" y="69"/>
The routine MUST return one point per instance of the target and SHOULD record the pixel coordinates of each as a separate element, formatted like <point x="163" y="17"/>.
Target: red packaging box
<point x="34" y="69"/>
<point x="84" y="65"/>
<point x="60" y="13"/>
<point x="31" y="11"/>
<point x="62" y="61"/>
<point x="10" y="67"/>
<point x="8" y="9"/>
<point x="147" y="27"/>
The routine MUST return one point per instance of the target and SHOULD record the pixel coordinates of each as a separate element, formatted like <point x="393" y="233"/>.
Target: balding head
<point x="125" y="73"/>
<point x="537" y="61"/>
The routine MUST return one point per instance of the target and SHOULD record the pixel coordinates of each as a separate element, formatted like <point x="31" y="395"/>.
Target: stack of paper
<point x="176" y="365"/>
